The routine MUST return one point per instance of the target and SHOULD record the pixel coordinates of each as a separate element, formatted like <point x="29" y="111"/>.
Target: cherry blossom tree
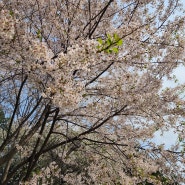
<point x="82" y="95"/>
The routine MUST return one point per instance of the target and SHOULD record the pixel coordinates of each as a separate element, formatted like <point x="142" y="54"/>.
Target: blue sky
<point x="170" y="138"/>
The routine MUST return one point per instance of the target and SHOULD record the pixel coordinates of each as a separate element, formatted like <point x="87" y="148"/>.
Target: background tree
<point x="81" y="83"/>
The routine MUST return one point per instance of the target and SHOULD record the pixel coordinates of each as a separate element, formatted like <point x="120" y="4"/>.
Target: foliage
<point x="81" y="92"/>
<point x="110" y="45"/>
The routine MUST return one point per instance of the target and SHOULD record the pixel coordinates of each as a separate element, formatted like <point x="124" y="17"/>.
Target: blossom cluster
<point x="7" y="22"/>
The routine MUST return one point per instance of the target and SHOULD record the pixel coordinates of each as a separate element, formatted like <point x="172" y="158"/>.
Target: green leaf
<point x="84" y="95"/>
<point x="108" y="42"/>
<point x="109" y="36"/>
<point x="39" y="35"/>
<point x="116" y="37"/>
<point x="100" y="41"/>
<point x="108" y="51"/>
<point x="120" y="42"/>
<point x="11" y="12"/>
<point x="115" y="50"/>
<point x="110" y="45"/>
<point x="98" y="47"/>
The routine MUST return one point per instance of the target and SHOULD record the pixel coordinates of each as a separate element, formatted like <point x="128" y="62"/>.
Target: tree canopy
<point x="82" y="95"/>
